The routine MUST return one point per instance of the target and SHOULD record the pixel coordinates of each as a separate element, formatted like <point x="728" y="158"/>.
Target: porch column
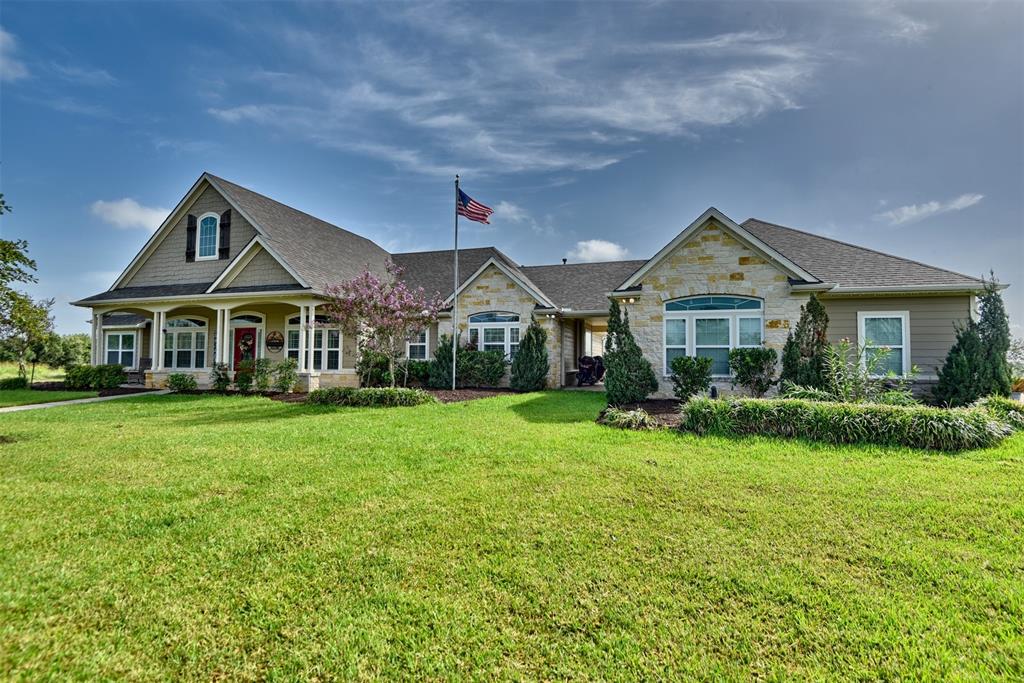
<point x="311" y="335"/>
<point x="219" y="336"/>
<point x="302" y="338"/>
<point x="97" y="351"/>
<point x="158" y="330"/>
<point x="225" y="339"/>
<point x="154" y="333"/>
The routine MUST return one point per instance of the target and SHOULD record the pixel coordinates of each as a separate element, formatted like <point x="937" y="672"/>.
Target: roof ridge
<point x="292" y="208"/>
<point x="585" y="263"/>
<point x="441" y="251"/>
<point x="862" y="248"/>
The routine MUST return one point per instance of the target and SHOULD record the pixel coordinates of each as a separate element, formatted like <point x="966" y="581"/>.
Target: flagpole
<point x="455" y="289"/>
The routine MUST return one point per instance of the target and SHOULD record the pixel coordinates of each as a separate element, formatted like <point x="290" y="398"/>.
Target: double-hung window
<point x="121" y="349"/>
<point x="209" y="229"/>
<point x="185" y="344"/>
<point x="711" y="326"/>
<point x="885" y="338"/>
<point x="326" y="343"/>
<point x="495" y="331"/>
<point x="416" y="347"/>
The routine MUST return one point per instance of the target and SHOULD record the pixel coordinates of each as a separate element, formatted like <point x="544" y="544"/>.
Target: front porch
<point x="160" y="338"/>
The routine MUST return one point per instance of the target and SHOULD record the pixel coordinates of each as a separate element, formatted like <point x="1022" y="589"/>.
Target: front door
<point x="245" y="345"/>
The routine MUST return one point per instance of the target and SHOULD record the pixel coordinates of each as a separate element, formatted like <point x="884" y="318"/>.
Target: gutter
<point x="203" y="296"/>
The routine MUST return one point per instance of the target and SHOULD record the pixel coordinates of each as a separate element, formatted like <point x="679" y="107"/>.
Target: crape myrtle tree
<point x="803" y="356"/>
<point x="383" y="311"/>
<point x="628" y="376"/>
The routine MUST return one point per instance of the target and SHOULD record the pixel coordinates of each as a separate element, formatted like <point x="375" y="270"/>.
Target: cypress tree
<point x="530" y="364"/>
<point x="628" y="377"/>
<point x="803" y="356"/>
<point x="960" y="381"/>
<point x="994" y="331"/>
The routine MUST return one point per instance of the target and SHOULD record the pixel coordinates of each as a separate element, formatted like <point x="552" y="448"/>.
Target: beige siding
<point x="932" y="319"/>
<point x="167" y="265"/>
<point x="263" y="269"/>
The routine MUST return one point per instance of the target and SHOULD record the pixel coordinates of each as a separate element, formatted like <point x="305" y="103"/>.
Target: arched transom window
<point x="710" y="326"/>
<point x="495" y="331"/>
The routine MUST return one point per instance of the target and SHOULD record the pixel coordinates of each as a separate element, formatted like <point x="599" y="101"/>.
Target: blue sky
<point x="597" y="131"/>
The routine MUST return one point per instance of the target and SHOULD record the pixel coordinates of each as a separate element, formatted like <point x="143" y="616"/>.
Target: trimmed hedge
<point x="638" y="419"/>
<point x="97" y="377"/>
<point x="370" y="397"/>
<point x="9" y="383"/>
<point x="1004" y="409"/>
<point x="915" y="427"/>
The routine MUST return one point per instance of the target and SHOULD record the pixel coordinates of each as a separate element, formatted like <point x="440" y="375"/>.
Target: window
<point x="495" y="332"/>
<point x="326" y="343"/>
<point x="208" y="236"/>
<point x="185" y="344"/>
<point x="121" y="349"/>
<point x="886" y="333"/>
<point x="711" y="326"/>
<point x="416" y="347"/>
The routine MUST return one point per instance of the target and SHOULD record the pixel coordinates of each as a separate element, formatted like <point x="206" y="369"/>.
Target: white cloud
<point x="11" y="69"/>
<point x="590" y="251"/>
<point x="507" y="211"/>
<point x="83" y="75"/>
<point x="918" y="212"/>
<point x="129" y="214"/>
<point x="895" y="25"/>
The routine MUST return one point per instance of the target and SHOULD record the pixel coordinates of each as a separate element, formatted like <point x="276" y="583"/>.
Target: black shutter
<point x="190" y="239"/>
<point x="225" y="234"/>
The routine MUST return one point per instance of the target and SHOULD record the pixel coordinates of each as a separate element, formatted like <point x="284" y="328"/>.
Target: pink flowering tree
<point x="383" y="310"/>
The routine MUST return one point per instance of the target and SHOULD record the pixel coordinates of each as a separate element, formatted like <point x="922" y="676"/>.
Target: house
<point x="233" y="275"/>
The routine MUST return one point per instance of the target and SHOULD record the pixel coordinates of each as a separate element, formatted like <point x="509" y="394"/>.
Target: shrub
<point x="384" y="397"/>
<point x="243" y="376"/>
<point x="915" y="427"/>
<point x="286" y="375"/>
<point x="263" y="374"/>
<point x="691" y="375"/>
<point x="638" y="419"/>
<point x="530" y="365"/>
<point x="1010" y="412"/>
<point x="10" y="383"/>
<point x="439" y="375"/>
<point x="220" y="377"/>
<point x="474" y="368"/>
<point x="109" y="376"/>
<point x="373" y="369"/>
<point x="628" y="377"/>
<point x="78" y="377"/>
<point x="852" y="376"/>
<point x="803" y="356"/>
<point x="789" y="390"/>
<point x="180" y="381"/>
<point x="753" y="369"/>
<point x="897" y="397"/>
<point x="415" y="372"/>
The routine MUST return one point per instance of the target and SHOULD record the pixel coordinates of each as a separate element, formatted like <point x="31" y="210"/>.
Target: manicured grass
<point x="223" y="537"/>
<point x="22" y="397"/>
<point x="44" y="373"/>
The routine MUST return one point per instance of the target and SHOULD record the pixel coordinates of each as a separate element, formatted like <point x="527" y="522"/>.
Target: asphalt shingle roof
<point x="189" y="288"/>
<point x="434" y="271"/>
<point x="581" y="286"/>
<point x="320" y="252"/>
<point x="848" y="265"/>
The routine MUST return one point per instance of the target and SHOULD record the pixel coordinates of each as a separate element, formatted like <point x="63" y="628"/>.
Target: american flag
<point x="472" y="209"/>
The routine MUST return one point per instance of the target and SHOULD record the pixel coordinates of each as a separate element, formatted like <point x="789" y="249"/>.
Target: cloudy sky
<point x="597" y="131"/>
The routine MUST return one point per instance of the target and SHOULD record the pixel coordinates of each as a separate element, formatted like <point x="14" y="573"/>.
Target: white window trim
<point x="216" y="238"/>
<point x="904" y="317"/>
<point x="205" y="329"/>
<point x="310" y="337"/>
<point x="733" y="316"/>
<point x="507" y="326"/>
<point x="425" y="344"/>
<point x="122" y="333"/>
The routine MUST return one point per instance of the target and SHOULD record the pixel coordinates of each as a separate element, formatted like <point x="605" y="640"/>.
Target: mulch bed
<point x="664" y="410"/>
<point x="59" y="386"/>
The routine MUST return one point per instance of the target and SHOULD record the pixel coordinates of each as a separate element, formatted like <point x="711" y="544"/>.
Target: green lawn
<point x="222" y="537"/>
<point x="21" y="397"/>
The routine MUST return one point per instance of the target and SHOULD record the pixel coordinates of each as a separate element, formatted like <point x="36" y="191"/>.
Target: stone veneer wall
<point x="495" y="291"/>
<point x="711" y="262"/>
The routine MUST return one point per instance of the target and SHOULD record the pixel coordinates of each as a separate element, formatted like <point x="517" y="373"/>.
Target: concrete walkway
<point x="75" y="401"/>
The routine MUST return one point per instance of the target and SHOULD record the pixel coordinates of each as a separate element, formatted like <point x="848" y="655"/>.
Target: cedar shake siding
<point x="262" y="270"/>
<point x="932" y="323"/>
<point x="167" y="264"/>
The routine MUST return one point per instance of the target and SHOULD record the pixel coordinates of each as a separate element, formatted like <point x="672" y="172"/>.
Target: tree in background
<point x="977" y="365"/>
<point x="803" y="356"/>
<point x="385" y="312"/>
<point x="628" y="377"/>
<point x="25" y="327"/>
<point x="530" y="364"/>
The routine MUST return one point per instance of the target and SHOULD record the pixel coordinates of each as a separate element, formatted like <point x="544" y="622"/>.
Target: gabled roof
<point x="434" y="271"/>
<point x="850" y="266"/>
<point x="320" y="253"/>
<point x="713" y="215"/>
<point x="581" y="286"/>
